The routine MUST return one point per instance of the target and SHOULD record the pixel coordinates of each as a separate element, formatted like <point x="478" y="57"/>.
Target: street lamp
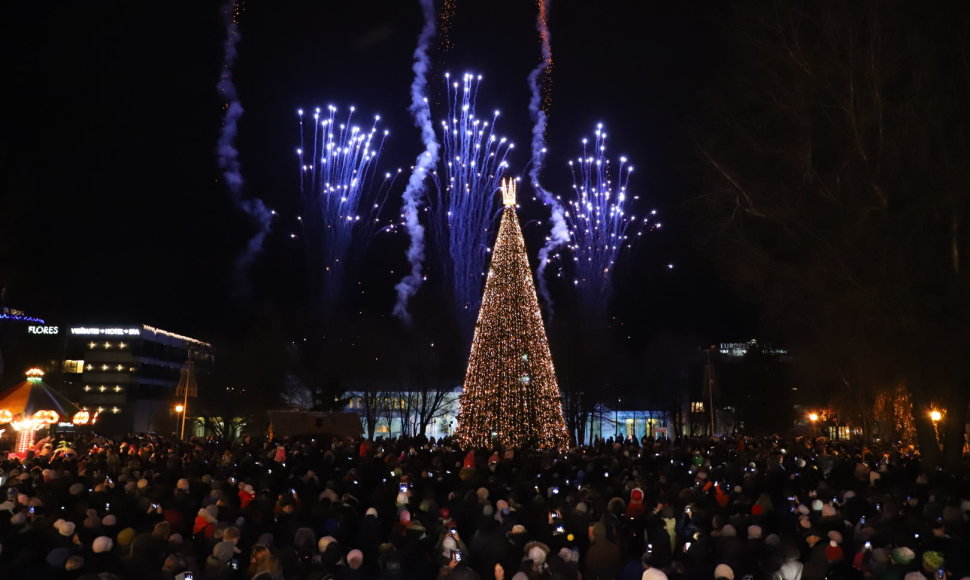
<point x="813" y="417"/>
<point x="180" y="409"/>
<point x="936" y="416"/>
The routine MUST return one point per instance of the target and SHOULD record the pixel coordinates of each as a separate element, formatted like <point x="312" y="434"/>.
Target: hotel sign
<point x="87" y="331"/>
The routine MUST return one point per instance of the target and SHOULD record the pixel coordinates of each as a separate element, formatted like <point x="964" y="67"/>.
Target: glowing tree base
<point x="510" y="396"/>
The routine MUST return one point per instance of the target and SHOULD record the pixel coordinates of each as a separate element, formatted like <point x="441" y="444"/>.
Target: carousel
<point x="33" y="406"/>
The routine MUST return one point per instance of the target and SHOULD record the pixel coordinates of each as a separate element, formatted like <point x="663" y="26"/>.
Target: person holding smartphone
<point x="449" y="544"/>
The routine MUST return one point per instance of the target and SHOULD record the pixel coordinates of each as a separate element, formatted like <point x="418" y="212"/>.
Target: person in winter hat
<point x="833" y="552"/>
<point x="103" y="558"/>
<point x="449" y="545"/>
<point x="791" y="568"/>
<point x="534" y="563"/>
<point x="352" y="570"/>
<point x="636" y="508"/>
<point x="246" y="495"/>
<point x="933" y="562"/>
<point x="65" y="533"/>
<point x="222" y="554"/>
<point x="205" y="521"/>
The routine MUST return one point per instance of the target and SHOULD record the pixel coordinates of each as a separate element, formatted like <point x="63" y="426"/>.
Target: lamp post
<point x="180" y="409"/>
<point x="813" y="418"/>
<point x="936" y="416"/>
<point x="186" y="387"/>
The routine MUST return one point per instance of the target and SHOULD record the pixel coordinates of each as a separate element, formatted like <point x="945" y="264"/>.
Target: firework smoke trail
<point x="559" y="234"/>
<point x="228" y="155"/>
<point x="342" y="207"/>
<point x="599" y="227"/>
<point x="464" y="204"/>
<point x="414" y="190"/>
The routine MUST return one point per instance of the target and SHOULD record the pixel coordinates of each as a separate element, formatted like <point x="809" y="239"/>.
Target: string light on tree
<point x="511" y="397"/>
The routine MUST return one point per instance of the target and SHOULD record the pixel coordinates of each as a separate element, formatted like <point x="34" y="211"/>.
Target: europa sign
<point x="42" y="330"/>
<point x="87" y="331"/>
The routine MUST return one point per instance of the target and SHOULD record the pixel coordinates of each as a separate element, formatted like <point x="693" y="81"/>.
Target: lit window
<point x="697" y="406"/>
<point x="73" y="366"/>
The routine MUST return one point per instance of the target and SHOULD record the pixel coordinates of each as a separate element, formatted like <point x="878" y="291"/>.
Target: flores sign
<point x="43" y="330"/>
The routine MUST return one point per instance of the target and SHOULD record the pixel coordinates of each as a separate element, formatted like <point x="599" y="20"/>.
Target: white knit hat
<point x="537" y="555"/>
<point x="102" y="544"/>
<point x="65" y="527"/>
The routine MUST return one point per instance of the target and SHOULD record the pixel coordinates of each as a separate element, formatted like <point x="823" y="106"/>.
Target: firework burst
<point x="463" y="204"/>
<point x="342" y="194"/>
<point x="600" y="227"/>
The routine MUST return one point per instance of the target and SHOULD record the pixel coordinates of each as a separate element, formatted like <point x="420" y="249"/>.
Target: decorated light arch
<point x="32" y="405"/>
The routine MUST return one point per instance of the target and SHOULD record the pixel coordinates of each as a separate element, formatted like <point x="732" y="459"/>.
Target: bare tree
<point x="837" y="190"/>
<point x="373" y="402"/>
<point x="427" y="403"/>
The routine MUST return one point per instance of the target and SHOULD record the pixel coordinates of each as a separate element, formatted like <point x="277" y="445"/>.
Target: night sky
<point x="113" y="208"/>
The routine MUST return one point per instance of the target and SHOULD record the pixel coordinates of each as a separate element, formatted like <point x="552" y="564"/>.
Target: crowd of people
<point x="151" y="507"/>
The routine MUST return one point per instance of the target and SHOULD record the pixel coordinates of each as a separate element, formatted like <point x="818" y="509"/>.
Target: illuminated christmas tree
<point x="510" y="396"/>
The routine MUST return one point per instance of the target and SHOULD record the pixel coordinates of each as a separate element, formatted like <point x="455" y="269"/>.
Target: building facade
<point x="127" y="374"/>
<point x="397" y="413"/>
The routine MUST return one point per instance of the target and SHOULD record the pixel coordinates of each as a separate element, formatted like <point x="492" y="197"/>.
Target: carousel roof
<point x="35" y="395"/>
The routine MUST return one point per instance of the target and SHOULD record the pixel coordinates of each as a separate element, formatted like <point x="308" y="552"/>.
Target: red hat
<point x="470" y="460"/>
<point x="833" y="552"/>
<point x="636" y="494"/>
